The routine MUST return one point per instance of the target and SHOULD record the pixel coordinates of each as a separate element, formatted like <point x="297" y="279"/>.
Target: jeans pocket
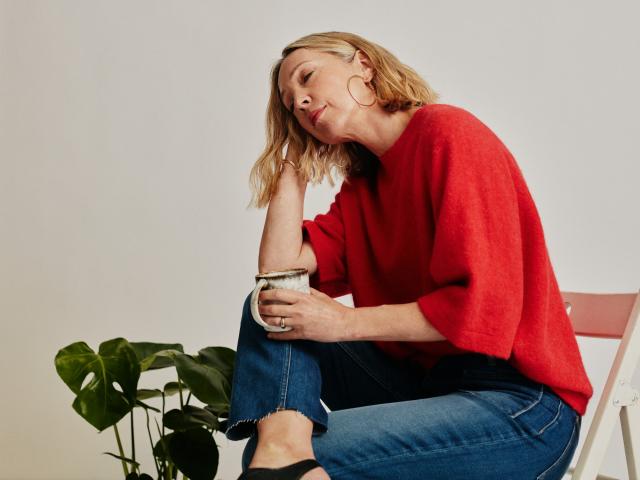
<point x="560" y="466"/>
<point x="528" y="407"/>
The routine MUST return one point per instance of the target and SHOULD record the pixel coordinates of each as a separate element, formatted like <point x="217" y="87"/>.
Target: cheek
<point x="333" y="92"/>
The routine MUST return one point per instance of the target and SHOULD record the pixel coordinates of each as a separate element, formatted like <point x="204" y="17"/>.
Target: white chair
<point x="603" y="315"/>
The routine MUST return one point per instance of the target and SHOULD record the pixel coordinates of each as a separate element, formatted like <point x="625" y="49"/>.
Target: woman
<point x="458" y="359"/>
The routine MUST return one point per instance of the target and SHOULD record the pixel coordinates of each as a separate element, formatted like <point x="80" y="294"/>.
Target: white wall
<point x="128" y="129"/>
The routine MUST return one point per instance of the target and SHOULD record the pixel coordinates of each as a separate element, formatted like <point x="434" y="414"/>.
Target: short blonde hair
<point x="396" y="86"/>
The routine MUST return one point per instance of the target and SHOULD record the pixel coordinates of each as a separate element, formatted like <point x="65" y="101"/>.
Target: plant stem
<point x="180" y="390"/>
<point x="162" y="414"/>
<point x="164" y="464"/>
<point x="188" y="398"/>
<point x="155" y="462"/>
<point x="124" y="464"/>
<point x="133" y="444"/>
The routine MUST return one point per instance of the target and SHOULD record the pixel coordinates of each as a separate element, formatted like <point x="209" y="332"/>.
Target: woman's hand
<point x="315" y="316"/>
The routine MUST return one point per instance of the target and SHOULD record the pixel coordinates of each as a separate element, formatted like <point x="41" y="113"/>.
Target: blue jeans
<point x="471" y="416"/>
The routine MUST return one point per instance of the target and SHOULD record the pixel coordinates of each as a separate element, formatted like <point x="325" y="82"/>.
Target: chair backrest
<point x="602" y="315"/>
<point x="610" y="315"/>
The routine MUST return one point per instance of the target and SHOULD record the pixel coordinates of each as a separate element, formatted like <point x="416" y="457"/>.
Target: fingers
<point x="275" y="320"/>
<point x="286" y="295"/>
<point x="275" y="311"/>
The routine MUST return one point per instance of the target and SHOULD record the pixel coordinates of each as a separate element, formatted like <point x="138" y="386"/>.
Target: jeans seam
<point x="285" y="378"/>
<point x="514" y="416"/>
<point x="520" y="412"/>
<point x="560" y="406"/>
<point x="369" y="372"/>
<point x="562" y="455"/>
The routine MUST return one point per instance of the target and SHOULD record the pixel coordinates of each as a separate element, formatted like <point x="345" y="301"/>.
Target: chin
<point x="330" y="139"/>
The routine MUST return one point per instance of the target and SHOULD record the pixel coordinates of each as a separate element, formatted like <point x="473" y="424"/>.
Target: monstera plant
<point x="112" y="393"/>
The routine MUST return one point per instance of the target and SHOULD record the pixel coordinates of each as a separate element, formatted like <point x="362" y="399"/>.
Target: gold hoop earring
<point x="375" y="99"/>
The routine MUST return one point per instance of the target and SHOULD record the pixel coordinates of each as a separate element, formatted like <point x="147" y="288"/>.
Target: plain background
<point x="128" y="129"/>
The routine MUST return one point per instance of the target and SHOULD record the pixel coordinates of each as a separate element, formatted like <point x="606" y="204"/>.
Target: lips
<point x="313" y="116"/>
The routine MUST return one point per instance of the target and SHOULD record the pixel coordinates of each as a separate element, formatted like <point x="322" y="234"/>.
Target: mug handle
<point x="256" y="314"/>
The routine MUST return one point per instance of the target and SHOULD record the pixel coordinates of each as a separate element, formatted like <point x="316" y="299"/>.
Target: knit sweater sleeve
<point x="326" y="235"/>
<point x="477" y="260"/>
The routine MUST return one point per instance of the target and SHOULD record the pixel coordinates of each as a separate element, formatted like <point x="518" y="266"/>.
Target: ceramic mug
<point x="292" y="279"/>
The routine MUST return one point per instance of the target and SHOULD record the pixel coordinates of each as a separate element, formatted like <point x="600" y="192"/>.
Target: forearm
<point x="403" y="322"/>
<point x="282" y="234"/>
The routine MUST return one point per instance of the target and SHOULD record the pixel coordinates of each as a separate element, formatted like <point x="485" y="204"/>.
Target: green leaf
<point x="140" y="403"/>
<point x="120" y="457"/>
<point x="220" y="411"/>
<point x="161" y="448"/>
<point x="188" y="418"/>
<point x="146" y="393"/>
<point x="208" y="375"/>
<point x="221" y="358"/>
<point x="152" y="356"/>
<point x="195" y="453"/>
<point x="170" y="388"/>
<point x="99" y="402"/>
<point x="135" y="476"/>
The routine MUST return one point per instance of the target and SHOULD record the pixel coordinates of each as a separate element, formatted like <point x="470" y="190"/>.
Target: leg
<point x="276" y="392"/>
<point x="270" y="376"/>
<point x="460" y="435"/>
<point x="479" y="419"/>
<point x="290" y="380"/>
<point x="470" y="418"/>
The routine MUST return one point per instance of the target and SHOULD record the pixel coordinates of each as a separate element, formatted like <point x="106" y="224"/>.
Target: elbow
<point x="278" y="266"/>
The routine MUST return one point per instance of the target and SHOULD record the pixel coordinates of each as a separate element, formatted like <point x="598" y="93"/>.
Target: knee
<point x="246" y="308"/>
<point x="247" y="302"/>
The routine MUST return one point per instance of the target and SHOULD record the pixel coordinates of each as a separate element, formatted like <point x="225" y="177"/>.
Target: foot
<point x="277" y="456"/>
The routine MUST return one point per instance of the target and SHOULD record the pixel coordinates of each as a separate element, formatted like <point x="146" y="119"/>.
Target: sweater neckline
<point x="403" y="135"/>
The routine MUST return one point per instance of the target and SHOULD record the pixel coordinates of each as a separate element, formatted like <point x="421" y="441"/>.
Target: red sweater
<point x="449" y="222"/>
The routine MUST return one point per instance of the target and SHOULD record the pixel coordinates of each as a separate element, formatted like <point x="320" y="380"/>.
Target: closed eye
<point x="303" y="82"/>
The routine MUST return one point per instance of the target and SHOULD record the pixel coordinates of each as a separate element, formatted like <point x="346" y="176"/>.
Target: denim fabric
<point x="471" y="416"/>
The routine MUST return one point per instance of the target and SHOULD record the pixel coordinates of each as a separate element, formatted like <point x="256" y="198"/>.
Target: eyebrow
<point x="292" y="72"/>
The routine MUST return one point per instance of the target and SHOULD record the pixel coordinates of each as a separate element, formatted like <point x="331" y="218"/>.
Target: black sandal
<point x="288" y="472"/>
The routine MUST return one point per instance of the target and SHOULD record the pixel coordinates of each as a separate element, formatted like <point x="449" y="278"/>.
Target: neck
<point x="381" y="129"/>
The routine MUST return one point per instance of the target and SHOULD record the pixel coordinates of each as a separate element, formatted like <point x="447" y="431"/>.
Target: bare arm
<point x="403" y="322"/>
<point x="281" y="246"/>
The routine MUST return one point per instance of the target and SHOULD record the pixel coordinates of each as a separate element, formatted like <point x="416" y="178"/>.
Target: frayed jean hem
<point x="246" y="428"/>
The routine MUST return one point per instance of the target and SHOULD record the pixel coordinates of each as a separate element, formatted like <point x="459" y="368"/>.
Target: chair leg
<point x="599" y="477"/>
<point x="630" y="422"/>
<point x="595" y="445"/>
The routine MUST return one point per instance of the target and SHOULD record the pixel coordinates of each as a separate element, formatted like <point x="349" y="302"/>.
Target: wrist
<point x="286" y="164"/>
<point x="351" y="327"/>
<point x="289" y="172"/>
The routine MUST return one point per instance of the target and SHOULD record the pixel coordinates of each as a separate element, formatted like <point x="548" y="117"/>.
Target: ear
<point x="364" y="64"/>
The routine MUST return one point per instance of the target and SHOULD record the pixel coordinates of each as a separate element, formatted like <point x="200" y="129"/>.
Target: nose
<point x="302" y="102"/>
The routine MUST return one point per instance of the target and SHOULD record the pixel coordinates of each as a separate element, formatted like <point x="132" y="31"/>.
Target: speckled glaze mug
<point x="292" y="279"/>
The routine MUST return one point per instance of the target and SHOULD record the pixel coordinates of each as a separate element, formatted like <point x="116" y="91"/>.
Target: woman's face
<point x="311" y="80"/>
